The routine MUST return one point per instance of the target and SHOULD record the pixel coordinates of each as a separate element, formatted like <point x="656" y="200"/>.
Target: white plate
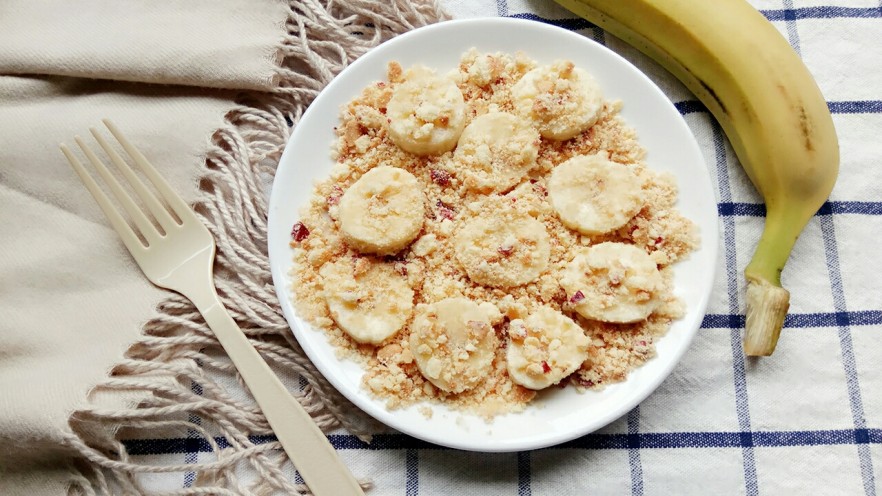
<point x="558" y="415"/>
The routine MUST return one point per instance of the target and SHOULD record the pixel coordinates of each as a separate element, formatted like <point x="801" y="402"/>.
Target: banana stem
<point x="767" y="306"/>
<point x="767" y="301"/>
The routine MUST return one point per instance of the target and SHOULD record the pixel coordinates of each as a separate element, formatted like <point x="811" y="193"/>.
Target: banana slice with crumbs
<point x="593" y="195"/>
<point x="426" y="113"/>
<point x="382" y="212"/>
<point x="544" y="348"/>
<point x="503" y="253"/>
<point x="453" y="342"/>
<point x="367" y="298"/>
<point x="561" y="100"/>
<point x="496" y="151"/>
<point x="613" y="282"/>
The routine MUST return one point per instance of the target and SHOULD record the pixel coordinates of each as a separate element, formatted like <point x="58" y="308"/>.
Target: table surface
<point x="807" y="419"/>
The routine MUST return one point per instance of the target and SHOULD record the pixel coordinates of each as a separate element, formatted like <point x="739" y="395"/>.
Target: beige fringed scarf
<point x="209" y="91"/>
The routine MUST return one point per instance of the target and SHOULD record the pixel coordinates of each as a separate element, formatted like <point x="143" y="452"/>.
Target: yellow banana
<point x="769" y="106"/>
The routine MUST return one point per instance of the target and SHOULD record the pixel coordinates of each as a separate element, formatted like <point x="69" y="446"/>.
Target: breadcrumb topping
<point x="434" y="270"/>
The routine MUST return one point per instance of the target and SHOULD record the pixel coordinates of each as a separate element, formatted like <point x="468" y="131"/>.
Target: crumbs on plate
<point x="489" y="233"/>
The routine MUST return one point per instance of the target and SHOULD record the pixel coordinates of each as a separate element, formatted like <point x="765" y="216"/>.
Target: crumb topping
<point x="508" y="274"/>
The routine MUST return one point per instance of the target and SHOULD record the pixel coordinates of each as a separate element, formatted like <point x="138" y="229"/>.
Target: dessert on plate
<point x="489" y="233"/>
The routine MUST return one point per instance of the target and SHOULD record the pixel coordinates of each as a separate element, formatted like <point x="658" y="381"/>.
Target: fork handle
<point x="306" y="445"/>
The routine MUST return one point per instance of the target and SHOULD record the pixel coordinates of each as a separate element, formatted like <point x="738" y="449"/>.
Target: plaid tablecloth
<point x="808" y="419"/>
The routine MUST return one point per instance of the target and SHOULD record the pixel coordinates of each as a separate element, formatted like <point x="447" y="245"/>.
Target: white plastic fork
<point x="179" y="257"/>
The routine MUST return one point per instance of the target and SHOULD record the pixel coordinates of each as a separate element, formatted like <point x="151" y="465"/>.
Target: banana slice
<point x="544" y="348"/>
<point x="382" y="212"/>
<point x="503" y="253"/>
<point x="613" y="282"/>
<point x="426" y="113"/>
<point x="453" y="342"/>
<point x="562" y="101"/>
<point x="496" y="151"/>
<point x="593" y="195"/>
<point x="368" y="299"/>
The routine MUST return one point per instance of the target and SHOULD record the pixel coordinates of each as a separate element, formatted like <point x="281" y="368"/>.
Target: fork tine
<point x="130" y="239"/>
<point x="159" y="212"/>
<point x="147" y="229"/>
<point x="178" y="206"/>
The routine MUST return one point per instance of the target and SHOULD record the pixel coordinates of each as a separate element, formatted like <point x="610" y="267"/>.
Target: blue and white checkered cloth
<point x="807" y="420"/>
